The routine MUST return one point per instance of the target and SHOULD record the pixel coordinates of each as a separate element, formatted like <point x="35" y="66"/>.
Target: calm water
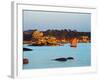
<point x="41" y="57"/>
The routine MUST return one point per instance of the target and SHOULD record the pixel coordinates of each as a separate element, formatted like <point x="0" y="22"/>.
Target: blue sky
<point x="43" y="20"/>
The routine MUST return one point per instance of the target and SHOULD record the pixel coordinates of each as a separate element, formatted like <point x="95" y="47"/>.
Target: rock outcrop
<point x="62" y="59"/>
<point x="25" y="61"/>
<point x="27" y="49"/>
<point x="74" y="42"/>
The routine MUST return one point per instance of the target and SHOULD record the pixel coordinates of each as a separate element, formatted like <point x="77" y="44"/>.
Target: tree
<point x="37" y="34"/>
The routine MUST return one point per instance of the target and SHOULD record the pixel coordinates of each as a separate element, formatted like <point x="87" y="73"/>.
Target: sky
<point x="44" y="20"/>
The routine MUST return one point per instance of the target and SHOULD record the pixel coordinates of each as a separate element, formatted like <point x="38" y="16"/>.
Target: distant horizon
<point x="56" y="29"/>
<point x="44" y="20"/>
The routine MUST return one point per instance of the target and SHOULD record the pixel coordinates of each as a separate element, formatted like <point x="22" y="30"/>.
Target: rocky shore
<point x="38" y="38"/>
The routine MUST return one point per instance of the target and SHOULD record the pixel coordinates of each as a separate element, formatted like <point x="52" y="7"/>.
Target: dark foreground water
<point x="42" y="57"/>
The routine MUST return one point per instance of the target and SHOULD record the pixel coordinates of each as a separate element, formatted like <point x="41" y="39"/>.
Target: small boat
<point x="73" y="42"/>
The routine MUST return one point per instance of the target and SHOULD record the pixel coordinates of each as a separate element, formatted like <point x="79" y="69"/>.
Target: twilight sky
<point x="43" y="20"/>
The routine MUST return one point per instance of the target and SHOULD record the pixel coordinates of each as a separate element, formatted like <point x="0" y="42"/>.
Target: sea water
<point x="42" y="56"/>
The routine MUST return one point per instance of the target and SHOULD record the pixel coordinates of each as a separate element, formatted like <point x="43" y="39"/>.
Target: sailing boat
<point x="73" y="42"/>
